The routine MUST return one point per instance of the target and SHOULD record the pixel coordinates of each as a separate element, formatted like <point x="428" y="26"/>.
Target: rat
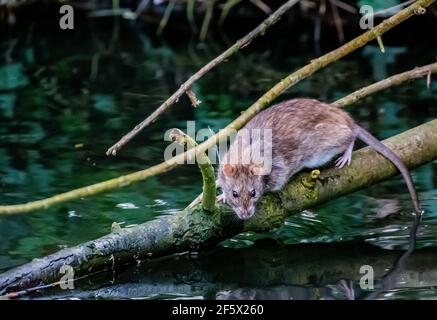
<point x="304" y="133"/>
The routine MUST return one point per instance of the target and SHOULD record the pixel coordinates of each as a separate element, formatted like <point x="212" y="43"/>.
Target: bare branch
<point x="260" y="30"/>
<point x="387" y="83"/>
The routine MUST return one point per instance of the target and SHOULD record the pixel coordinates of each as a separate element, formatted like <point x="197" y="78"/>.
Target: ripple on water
<point x="127" y="205"/>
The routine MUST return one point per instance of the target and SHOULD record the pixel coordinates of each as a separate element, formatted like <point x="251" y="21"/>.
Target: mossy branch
<point x="192" y="230"/>
<point x="260" y="104"/>
<point x="208" y="177"/>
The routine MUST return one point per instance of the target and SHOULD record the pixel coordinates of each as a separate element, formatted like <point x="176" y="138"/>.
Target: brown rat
<point x="305" y="133"/>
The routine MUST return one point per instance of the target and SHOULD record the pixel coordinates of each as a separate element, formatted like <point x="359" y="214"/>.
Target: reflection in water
<point x="391" y="279"/>
<point x="387" y="207"/>
<point x="273" y="293"/>
<point x="344" y="288"/>
<point x="265" y="271"/>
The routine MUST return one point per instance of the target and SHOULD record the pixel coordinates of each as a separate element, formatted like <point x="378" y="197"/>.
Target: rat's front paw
<point x="221" y="198"/>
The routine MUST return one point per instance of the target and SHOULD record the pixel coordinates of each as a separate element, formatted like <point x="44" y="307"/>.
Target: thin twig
<point x="260" y="30"/>
<point x="109" y="13"/>
<point x="344" y="6"/>
<point x="95" y="60"/>
<point x="193" y="98"/>
<point x="387" y="83"/>
<point x="190" y="14"/>
<point x="17" y="294"/>
<point x="166" y="17"/>
<point x="390" y="10"/>
<point x="337" y="21"/>
<point x="141" y="7"/>
<point x="380" y="44"/>
<point x="226" y="8"/>
<point x="207" y="19"/>
<point x="262" y="6"/>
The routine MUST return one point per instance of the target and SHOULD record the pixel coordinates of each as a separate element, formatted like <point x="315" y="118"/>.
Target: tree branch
<point x="260" y="104"/>
<point x="392" y="81"/>
<point x="206" y="169"/>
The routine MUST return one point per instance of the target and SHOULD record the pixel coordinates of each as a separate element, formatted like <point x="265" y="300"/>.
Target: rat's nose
<point x="245" y="214"/>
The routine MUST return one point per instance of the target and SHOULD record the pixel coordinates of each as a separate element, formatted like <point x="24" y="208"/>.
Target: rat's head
<point x="242" y="185"/>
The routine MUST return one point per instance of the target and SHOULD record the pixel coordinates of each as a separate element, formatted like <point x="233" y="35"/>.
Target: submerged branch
<point x="192" y="230"/>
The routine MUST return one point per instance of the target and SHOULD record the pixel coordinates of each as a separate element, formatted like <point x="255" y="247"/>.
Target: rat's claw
<point x="221" y="198"/>
<point x="346" y="158"/>
<point x="340" y="162"/>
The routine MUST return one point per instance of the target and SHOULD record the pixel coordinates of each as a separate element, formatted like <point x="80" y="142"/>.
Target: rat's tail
<point x="374" y="143"/>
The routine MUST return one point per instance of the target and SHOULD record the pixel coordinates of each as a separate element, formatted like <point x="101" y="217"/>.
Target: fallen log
<point x="193" y="229"/>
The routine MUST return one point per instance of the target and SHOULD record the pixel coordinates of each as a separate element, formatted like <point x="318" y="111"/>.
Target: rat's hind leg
<point x="346" y="157"/>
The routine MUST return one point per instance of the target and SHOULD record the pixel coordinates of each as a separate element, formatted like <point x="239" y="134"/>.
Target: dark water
<point x="65" y="98"/>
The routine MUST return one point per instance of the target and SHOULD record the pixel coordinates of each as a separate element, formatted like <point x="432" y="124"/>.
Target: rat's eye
<point x="235" y="194"/>
<point x="253" y="193"/>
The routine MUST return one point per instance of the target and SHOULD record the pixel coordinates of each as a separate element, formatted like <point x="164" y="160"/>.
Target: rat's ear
<point x="228" y="169"/>
<point x="255" y="170"/>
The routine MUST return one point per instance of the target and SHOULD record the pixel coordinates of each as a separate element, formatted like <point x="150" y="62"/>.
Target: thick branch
<point x="194" y="229"/>
<point x="243" y="42"/>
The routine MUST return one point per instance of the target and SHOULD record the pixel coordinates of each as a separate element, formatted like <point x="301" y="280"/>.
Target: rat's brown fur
<point x="306" y="133"/>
